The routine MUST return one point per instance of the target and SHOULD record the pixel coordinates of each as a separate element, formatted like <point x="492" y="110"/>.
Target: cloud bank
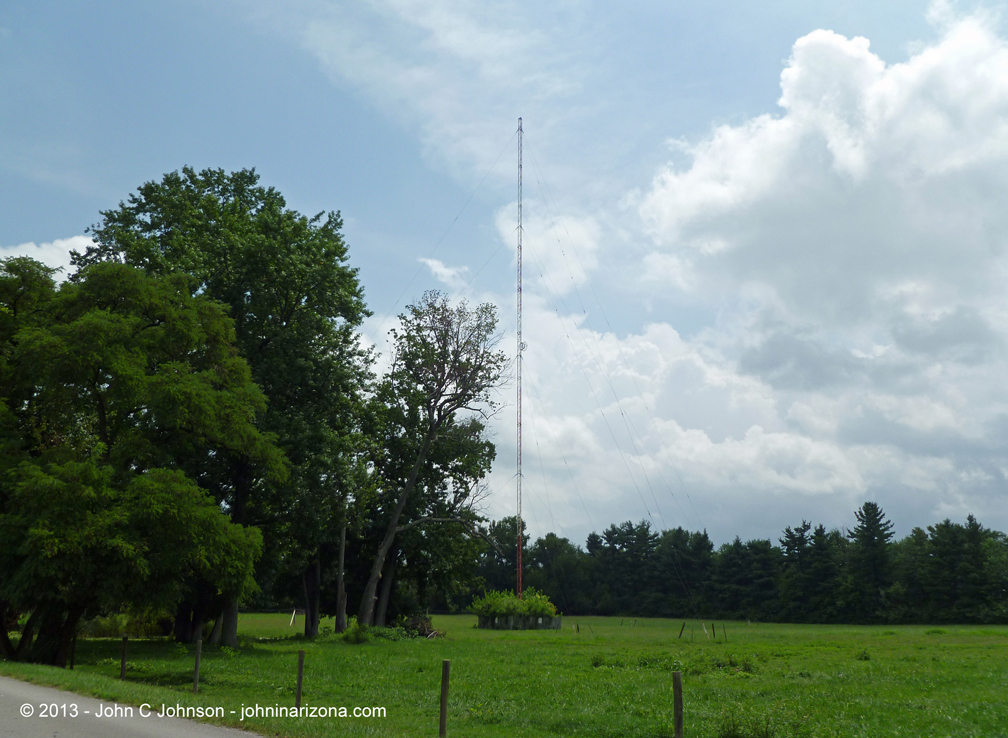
<point x="855" y="246"/>
<point x="852" y="248"/>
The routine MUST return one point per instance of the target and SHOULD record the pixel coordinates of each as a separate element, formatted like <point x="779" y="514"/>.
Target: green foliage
<point x="296" y="307"/>
<point x="754" y="723"/>
<point x="355" y="633"/>
<point x="145" y="625"/>
<point x="418" y="626"/>
<point x="497" y="603"/>
<point x="870" y="564"/>
<point x="118" y="391"/>
<point x="429" y="413"/>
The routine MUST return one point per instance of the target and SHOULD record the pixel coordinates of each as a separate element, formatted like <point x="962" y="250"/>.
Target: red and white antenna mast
<point x="521" y="347"/>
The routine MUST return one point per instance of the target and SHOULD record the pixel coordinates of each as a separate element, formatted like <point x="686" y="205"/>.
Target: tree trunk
<point x="215" y="634"/>
<point x="55" y="633"/>
<point x="229" y="628"/>
<point x="366" y="611"/>
<point x="340" y="587"/>
<point x="196" y="633"/>
<point x="6" y="647"/>
<point x="67" y="633"/>
<point x="242" y="485"/>
<point x="312" y="581"/>
<point x="26" y="636"/>
<point x="182" y="629"/>
<point x="387" y="576"/>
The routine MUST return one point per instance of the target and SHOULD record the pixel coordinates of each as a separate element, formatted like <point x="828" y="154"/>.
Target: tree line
<point x="950" y="572"/>
<point x="191" y="422"/>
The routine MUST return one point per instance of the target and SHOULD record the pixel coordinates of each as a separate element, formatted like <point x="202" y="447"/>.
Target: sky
<point x="763" y="243"/>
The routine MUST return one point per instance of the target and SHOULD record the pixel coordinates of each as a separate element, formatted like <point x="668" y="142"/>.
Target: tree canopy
<point x="118" y="393"/>
<point x="445" y="360"/>
<point x="296" y="306"/>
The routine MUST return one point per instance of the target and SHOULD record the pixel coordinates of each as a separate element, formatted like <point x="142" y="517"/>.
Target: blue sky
<point x="764" y="241"/>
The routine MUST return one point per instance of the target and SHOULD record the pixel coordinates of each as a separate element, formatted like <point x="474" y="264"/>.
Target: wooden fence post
<point x="122" y="665"/>
<point x="297" y="701"/>
<point x="445" y="671"/>
<point x="195" y="678"/>
<point x="682" y="628"/>
<point x="677" y="703"/>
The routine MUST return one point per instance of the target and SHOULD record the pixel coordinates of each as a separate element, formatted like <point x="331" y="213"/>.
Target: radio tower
<point x="521" y="346"/>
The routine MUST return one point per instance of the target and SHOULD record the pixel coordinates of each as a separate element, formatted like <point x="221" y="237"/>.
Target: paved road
<point x="14" y="694"/>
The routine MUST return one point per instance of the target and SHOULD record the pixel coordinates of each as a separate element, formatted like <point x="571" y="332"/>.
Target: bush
<point x="495" y="604"/>
<point x="355" y="633"/>
<point x="143" y="625"/>
<point x="418" y="626"/>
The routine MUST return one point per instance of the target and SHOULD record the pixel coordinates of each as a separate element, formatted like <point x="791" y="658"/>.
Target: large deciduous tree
<point x="117" y="394"/>
<point x="444" y="362"/>
<point x="296" y="307"/>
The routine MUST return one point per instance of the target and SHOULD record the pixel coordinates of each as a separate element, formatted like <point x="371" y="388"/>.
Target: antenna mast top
<point x="521" y="346"/>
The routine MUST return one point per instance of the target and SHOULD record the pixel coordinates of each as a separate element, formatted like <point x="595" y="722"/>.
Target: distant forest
<point x="949" y="573"/>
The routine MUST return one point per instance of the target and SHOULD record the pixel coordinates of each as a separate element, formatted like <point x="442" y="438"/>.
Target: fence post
<point x="195" y="678"/>
<point x="677" y="703"/>
<point x="443" y="726"/>
<point x="122" y="665"/>
<point x="297" y="701"/>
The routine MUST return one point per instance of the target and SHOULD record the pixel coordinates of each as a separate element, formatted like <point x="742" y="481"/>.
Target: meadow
<point x="606" y="677"/>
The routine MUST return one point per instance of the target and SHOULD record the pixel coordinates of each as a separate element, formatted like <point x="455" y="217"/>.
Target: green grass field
<point x="609" y="680"/>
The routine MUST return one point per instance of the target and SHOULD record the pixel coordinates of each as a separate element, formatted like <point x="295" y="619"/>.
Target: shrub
<point x="137" y="625"/>
<point x="495" y="604"/>
<point x="355" y="633"/>
<point x="418" y="626"/>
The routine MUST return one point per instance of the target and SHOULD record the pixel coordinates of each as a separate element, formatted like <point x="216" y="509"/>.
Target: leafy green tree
<point x="118" y="393"/>
<point x="438" y="524"/>
<point x="558" y="568"/>
<point x="626" y="565"/>
<point x="297" y="307"/>
<point x="445" y="362"/>
<point x="498" y="565"/>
